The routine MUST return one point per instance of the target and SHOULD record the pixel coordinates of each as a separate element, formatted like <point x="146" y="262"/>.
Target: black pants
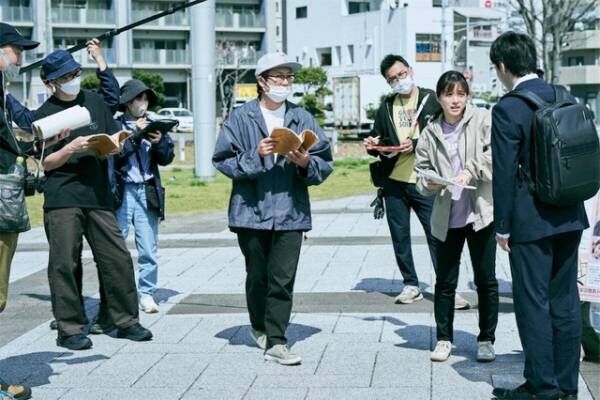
<point x="400" y="198"/>
<point x="482" y="248"/>
<point x="271" y="264"/>
<point x="547" y="311"/>
<point x="65" y="229"/>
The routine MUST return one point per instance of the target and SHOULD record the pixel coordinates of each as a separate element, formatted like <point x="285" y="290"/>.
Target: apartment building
<point x="244" y="31"/>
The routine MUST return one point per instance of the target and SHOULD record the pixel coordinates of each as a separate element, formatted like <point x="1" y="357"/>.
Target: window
<point x="277" y="30"/>
<point x="350" y="54"/>
<point x="428" y="47"/>
<point x="436" y="3"/>
<point x="574" y="61"/>
<point x="301" y="12"/>
<point x="356" y="7"/>
<point x="324" y="55"/>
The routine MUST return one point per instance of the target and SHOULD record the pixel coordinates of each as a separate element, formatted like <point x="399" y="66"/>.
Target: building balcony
<point x="239" y="21"/>
<point x="93" y="16"/>
<point x="178" y="19"/>
<point x="580" y="75"/>
<point x="86" y="61"/>
<point x="243" y="59"/>
<point x="584" y="40"/>
<point x="16" y="14"/>
<point x="161" y="58"/>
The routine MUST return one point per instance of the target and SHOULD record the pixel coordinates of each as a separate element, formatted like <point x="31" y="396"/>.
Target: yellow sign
<point x="245" y="91"/>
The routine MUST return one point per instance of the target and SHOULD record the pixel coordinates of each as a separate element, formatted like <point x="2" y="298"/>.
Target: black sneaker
<point x="75" y="342"/>
<point x="135" y="332"/>
<point x="53" y="325"/>
<point x="521" y="393"/>
<point x="567" y="396"/>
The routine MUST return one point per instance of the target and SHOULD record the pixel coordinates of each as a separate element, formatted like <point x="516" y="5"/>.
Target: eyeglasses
<point x="67" y="78"/>
<point x="279" y="78"/>
<point x="393" y="79"/>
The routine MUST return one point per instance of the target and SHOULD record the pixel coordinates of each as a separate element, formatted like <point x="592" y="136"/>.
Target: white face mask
<point x="11" y="70"/>
<point x="404" y="86"/>
<point x="72" y="87"/>
<point x="279" y="93"/>
<point x="138" y="108"/>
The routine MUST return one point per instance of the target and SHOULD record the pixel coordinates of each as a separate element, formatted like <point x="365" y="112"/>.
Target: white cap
<point x="274" y="60"/>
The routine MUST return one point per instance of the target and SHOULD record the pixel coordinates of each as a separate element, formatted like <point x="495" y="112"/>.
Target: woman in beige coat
<point x="456" y="146"/>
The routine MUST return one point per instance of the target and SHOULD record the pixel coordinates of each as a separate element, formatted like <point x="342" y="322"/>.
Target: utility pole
<point x="443" y="41"/>
<point x="203" y="87"/>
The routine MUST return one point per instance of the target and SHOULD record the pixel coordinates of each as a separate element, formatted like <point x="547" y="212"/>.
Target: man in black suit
<point x="542" y="240"/>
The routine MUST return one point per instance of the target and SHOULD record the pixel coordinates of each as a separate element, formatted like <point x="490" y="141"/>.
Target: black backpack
<point x="565" y="150"/>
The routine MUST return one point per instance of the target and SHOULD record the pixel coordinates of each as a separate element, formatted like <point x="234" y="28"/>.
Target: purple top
<point x="461" y="212"/>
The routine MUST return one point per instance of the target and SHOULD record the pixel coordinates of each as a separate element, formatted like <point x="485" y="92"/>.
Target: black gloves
<point x="379" y="210"/>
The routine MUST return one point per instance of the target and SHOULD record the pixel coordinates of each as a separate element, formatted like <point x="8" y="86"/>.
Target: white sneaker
<point x="259" y="337"/>
<point x="409" y="295"/>
<point x="460" y="303"/>
<point x="442" y="351"/>
<point x="147" y="304"/>
<point x="282" y="355"/>
<point x="485" y="352"/>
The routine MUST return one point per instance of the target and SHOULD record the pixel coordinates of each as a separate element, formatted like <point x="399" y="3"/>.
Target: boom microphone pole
<point x="116" y="31"/>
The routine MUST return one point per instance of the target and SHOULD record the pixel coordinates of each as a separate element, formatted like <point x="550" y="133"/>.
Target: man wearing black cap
<point x="78" y="202"/>
<point x="140" y="191"/>
<point x="12" y="44"/>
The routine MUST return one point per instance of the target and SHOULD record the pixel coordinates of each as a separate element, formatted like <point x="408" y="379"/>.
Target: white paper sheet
<point x="71" y="118"/>
<point x="434" y="178"/>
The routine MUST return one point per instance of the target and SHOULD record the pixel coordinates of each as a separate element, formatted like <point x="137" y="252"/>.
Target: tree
<point x="90" y="82"/>
<point x="314" y="80"/>
<point x="548" y="22"/>
<point x="238" y="55"/>
<point x="153" y="81"/>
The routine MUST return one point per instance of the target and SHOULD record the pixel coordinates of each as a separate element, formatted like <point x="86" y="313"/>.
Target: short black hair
<point x="516" y="51"/>
<point x="390" y="60"/>
<point x="448" y="82"/>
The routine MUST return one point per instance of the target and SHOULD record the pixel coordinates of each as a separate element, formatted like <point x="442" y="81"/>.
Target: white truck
<point x="352" y="97"/>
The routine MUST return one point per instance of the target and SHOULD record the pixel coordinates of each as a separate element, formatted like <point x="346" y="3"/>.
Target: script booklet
<point x="435" y="178"/>
<point x="103" y="144"/>
<point x="286" y="140"/>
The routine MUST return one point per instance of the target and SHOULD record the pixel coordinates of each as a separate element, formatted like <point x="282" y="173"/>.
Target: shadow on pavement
<point x="163" y="295"/>
<point x="240" y="335"/>
<point x="35" y="369"/>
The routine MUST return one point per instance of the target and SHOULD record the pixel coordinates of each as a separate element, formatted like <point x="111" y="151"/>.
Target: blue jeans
<point x="134" y="210"/>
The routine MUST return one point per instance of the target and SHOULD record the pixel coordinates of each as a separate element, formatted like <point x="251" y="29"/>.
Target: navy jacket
<point x="516" y="210"/>
<point x="161" y="153"/>
<point x="109" y="90"/>
<point x="268" y="195"/>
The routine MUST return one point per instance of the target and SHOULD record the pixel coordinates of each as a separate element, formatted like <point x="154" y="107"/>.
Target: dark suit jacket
<point x="516" y="210"/>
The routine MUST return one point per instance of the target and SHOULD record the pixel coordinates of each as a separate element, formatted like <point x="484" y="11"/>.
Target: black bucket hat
<point x="132" y="89"/>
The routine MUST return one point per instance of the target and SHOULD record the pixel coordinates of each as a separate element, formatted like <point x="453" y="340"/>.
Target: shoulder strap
<point x="529" y="97"/>
<point x="562" y="94"/>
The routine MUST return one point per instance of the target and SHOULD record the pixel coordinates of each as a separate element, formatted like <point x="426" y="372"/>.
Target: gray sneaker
<point x="460" y="303"/>
<point x="485" y="352"/>
<point x="282" y="355"/>
<point x="259" y="337"/>
<point x="410" y="294"/>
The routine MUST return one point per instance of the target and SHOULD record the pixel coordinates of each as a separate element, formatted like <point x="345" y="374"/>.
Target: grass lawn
<point x="186" y="194"/>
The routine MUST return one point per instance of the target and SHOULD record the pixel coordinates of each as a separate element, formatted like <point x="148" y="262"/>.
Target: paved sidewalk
<point x="355" y="343"/>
